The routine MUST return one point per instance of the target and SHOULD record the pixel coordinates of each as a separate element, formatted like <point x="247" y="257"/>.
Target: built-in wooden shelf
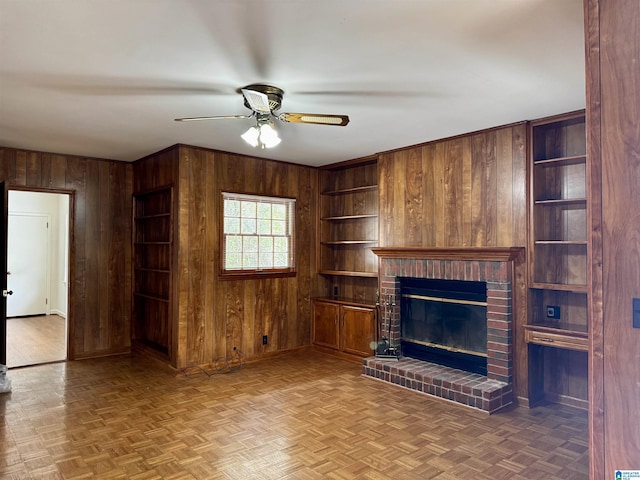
<point x="560" y="161"/>
<point x="151" y="297"/>
<point x="565" y="287"/>
<point x="153" y="270"/>
<point x="349" y="217"/>
<point x="148" y="217"/>
<point x="349" y="242"/>
<point x="560" y="242"/>
<point x="348" y="301"/>
<point x="349" y="273"/>
<point x="562" y="201"/>
<point x="365" y="188"/>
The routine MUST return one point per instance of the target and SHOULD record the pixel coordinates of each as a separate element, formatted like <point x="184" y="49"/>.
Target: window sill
<point x="255" y="274"/>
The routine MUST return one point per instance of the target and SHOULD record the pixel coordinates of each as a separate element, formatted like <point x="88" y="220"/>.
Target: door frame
<point x="70" y="266"/>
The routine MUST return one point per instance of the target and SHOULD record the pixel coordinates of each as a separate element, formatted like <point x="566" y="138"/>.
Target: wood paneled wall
<point x="100" y="248"/>
<point x="466" y="191"/>
<point x="212" y="316"/>
<point x="613" y="107"/>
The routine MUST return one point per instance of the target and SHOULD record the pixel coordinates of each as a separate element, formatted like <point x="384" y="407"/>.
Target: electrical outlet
<point x="335" y="290"/>
<point x="553" y="311"/>
<point x="265" y="339"/>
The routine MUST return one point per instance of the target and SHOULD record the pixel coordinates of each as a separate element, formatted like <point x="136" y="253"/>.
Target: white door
<point x="27" y="260"/>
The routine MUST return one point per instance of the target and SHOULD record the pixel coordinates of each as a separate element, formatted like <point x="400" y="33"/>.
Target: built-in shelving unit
<point x="557" y="331"/>
<point x="349" y="229"/>
<point x="344" y="313"/>
<point x="152" y="247"/>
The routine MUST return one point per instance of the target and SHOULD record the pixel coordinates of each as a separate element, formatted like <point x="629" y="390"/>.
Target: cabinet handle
<point x="543" y="339"/>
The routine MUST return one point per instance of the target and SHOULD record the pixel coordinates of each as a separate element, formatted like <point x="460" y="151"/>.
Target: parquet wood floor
<point x="35" y="340"/>
<point x="300" y="416"/>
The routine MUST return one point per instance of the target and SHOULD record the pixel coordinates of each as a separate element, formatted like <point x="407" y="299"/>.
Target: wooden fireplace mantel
<point x="492" y="254"/>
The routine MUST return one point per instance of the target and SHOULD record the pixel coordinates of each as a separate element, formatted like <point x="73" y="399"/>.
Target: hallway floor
<point x="35" y="340"/>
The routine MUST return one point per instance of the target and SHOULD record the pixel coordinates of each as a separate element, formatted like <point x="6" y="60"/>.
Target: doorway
<point x="37" y="275"/>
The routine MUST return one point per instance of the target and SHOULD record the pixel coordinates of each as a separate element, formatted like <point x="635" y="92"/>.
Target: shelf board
<point x="565" y="287"/>
<point x="349" y="273"/>
<point x="151" y="297"/>
<point x="153" y="270"/>
<point x="562" y="201"/>
<point x="152" y="243"/>
<point x="148" y="217"/>
<point x="347" y="301"/>
<point x="350" y="217"/>
<point x="560" y="242"/>
<point x="349" y="242"/>
<point x="553" y="162"/>
<point x="552" y="326"/>
<point x="366" y="188"/>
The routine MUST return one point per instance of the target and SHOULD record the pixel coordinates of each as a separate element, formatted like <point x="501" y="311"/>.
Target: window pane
<point x="264" y="227"/>
<point x="250" y="244"/>
<point x="231" y="225"/>
<point x="233" y="261"/>
<point x="264" y="210"/>
<point x="250" y="261"/>
<point x="281" y="244"/>
<point x="234" y="243"/>
<point x="248" y="226"/>
<point x="249" y="209"/>
<point x="231" y="208"/>
<point x="279" y="211"/>
<point x="278" y="227"/>
<point x="266" y="260"/>
<point x="266" y="244"/>
<point x="280" y="260"/>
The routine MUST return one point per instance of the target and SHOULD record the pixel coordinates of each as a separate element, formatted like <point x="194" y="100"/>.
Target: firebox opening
<point x="445" y="322"/>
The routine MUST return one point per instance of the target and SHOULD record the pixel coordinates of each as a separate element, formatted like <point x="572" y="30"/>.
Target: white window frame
<point x="257" y="235"/>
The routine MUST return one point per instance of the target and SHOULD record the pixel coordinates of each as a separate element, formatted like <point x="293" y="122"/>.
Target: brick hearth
<point x="489" y="393"/>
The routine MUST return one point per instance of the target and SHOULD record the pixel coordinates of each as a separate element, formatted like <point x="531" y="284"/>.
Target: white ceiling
<point x="106" y="78"/>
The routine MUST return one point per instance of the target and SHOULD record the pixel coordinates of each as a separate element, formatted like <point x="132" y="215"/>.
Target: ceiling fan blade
<point x="315" y="118"/>
<point x="258" y="101"/>
<point x="217" y="117"/>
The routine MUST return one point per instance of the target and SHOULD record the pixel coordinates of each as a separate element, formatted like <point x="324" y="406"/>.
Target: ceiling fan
<point x="264" y="101"/>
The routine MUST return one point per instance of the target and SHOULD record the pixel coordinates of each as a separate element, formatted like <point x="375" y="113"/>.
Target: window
<point x="257" y="234"/>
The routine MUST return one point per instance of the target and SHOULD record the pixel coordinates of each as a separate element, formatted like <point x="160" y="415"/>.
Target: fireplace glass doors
<point x="445" y="322"/>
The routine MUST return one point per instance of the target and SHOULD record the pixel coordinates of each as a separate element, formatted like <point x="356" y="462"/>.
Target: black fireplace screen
<point x="445" y="321"/>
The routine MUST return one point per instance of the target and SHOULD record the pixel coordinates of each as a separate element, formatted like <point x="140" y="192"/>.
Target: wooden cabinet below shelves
<point x="344" y="327"/>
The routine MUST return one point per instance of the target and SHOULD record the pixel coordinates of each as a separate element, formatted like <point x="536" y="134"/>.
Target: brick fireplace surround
<point x="495" y="266"/>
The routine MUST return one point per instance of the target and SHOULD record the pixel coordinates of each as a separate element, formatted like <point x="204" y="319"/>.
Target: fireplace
<point x="444" y="322"/>
<point x="484" y="378"/>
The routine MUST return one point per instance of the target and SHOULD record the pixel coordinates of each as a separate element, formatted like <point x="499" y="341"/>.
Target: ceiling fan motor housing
<point x="274" y="94"/>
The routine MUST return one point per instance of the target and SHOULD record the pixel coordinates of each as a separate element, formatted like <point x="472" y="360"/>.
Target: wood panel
<point x="619" y="23"/>
<point x="217" y="315"/>
<point x="100" y="245"/>
<point x="469" y="191"/>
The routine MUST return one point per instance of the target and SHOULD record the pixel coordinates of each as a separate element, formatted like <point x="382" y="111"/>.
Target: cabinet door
<point x="325" y="324"/>
<point x="357" y="330"/>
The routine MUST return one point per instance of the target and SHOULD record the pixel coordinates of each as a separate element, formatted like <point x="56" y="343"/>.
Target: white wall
<point x="57" y="207"/>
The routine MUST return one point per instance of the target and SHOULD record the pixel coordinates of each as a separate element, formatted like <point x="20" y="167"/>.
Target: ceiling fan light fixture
<point x="251" y="136"/>
<point x="268" y="136"/>
<point x="263" y="135"/>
